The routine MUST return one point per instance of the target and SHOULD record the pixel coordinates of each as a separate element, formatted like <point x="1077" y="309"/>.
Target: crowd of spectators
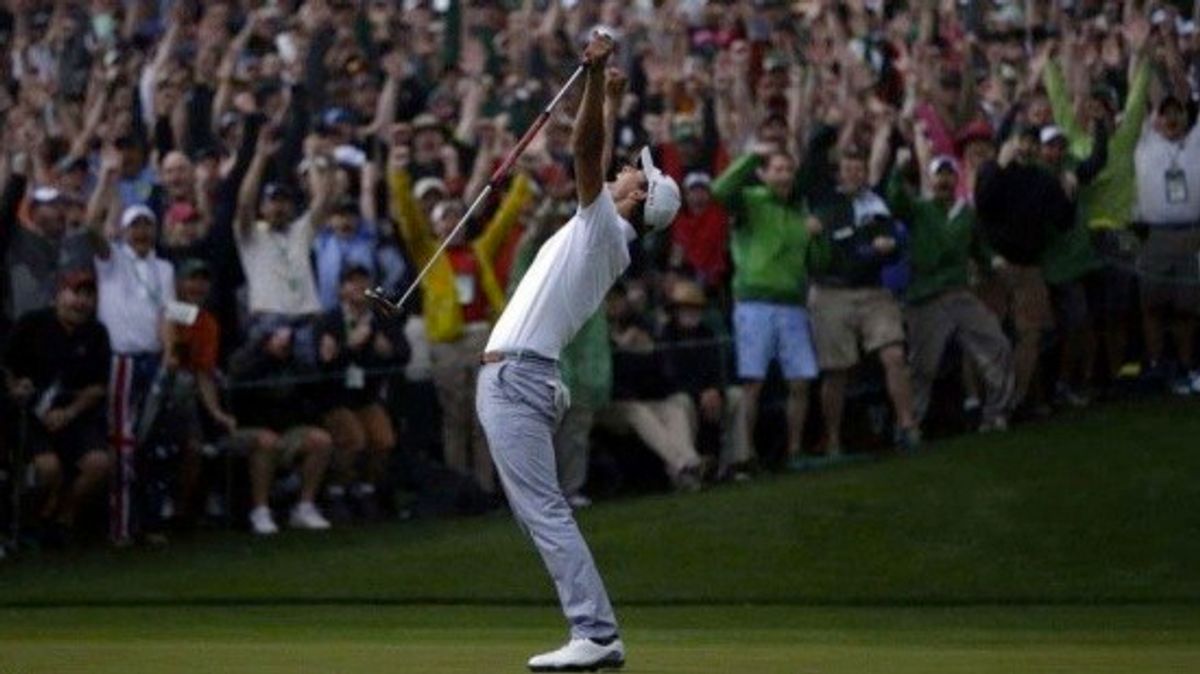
<point x="920" y="216"/>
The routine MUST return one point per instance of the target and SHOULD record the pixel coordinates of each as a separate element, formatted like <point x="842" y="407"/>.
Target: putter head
<point x="380" y="303"/>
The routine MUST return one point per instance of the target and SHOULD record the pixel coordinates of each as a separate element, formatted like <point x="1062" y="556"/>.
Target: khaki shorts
<point x="1019" y="293"/>
<point x="842" y="318"/>
<point x="243" y="441"/>
<point x="1169" y="267"/>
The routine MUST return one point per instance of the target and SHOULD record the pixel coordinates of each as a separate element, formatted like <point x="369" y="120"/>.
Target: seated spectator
<point x="353" y="346"/>
<point x="57" y="364"/>
<point x="644" y="402"/>
<point x="694" y="363"/>
<point x="285" y="409"/>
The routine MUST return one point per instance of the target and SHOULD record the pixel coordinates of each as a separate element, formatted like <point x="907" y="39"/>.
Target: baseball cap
<point x="662" y="194"/>
<point x="277" y="190"/>
<point x="194" y="266"/>
<point x="46" y="195"/>
<point x="136" y="212"/>
<point x="426" y="185"/>
<point x="697" y="179"/>
<point x="76" y="279"/>
<point x="942" y="163"/>
<point x="346" y="205"/>
<point x="1050" y="133"/>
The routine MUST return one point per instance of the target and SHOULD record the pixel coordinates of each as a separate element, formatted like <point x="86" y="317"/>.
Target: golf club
<point x="377" y="296"/>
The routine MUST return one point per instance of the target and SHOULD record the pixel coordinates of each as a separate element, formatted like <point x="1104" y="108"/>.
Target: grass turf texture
<point x="1069" y="546"/>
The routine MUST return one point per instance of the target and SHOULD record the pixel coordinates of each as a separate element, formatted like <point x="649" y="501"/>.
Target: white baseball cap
<point x="662" y="194"/>
<point x="137" y="212"/>
<point x="1051" y="133"/>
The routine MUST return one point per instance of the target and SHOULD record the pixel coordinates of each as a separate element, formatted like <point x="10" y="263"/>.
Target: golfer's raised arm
<point x="587" y="138"/>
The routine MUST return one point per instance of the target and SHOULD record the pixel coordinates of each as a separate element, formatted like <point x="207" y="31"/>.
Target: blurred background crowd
<point x="909" y="218"/>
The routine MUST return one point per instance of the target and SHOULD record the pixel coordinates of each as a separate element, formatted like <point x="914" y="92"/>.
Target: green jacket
<point x="586" y="362"/>
<point x="769" y="240"/>
<point x="1107" y="202"/>
<point x="942" y="240"/>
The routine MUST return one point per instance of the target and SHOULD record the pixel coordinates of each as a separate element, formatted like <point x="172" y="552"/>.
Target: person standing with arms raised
<point x="521" y="398"/>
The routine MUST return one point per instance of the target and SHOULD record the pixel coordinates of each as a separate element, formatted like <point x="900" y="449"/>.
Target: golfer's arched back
<point x="521" y="397"/>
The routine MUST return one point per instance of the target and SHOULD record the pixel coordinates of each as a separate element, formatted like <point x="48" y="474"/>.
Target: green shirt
<point x="1107" y="202"/>
<point x="586" y="361"/>
<point x="769" y="240"/>
<point x="942" y="239"/>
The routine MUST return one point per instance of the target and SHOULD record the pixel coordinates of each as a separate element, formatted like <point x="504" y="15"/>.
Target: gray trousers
<point x="962" y="316"/>
<point x="520" y="403"/>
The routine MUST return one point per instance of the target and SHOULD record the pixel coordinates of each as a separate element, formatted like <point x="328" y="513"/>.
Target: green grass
<point x="1069" y="546"/>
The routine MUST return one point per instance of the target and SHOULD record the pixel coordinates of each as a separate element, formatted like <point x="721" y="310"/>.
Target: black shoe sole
<point x="607" y="664"/>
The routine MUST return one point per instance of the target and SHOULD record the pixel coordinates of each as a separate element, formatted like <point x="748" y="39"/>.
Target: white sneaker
<point x="580" y="655"/>
<point x="577" y="501"/>
<point x="306" y="516"/>
<point x="261" y="522"/>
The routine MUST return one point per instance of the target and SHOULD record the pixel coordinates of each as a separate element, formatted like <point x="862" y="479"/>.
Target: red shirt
<point x="199" y="343"/>
<point x="466" y="278"/>
<point x="704" y="239"/>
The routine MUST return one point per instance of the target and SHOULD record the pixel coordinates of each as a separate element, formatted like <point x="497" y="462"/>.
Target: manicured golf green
<point x="1071" y="546"/>
<point x="437" y="640"/>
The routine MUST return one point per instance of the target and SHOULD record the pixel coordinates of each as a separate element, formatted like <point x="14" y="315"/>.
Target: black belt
<point x="498" y="356"/>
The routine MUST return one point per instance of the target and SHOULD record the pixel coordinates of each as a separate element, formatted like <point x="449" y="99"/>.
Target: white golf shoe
<point x="306" y="516"/>
<point x="581" y="655"/>
<point x="261" y="522"/>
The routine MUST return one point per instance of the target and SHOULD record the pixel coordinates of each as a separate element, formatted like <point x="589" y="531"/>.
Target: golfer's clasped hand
<point x="597" y="51"/>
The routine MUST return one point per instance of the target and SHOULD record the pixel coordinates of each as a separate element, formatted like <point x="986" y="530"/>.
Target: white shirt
<point x="279" y="273"/>
<point x="567" y="281"/>
<point x="1160" y="200"/>
<point x="133" y="292"/>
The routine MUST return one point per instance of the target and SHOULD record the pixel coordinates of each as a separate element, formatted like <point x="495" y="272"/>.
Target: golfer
<point x="521" y="398"/>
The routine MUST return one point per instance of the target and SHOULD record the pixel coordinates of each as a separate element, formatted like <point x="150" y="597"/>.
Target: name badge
<point x="356" y="378"/>
<point x="1177" y="188"/>
<point x="465" y="286"/>
<point x="843" y="233"/>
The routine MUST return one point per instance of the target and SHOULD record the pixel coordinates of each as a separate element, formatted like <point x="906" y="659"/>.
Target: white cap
<point x="426" y="185"/>
<point x="941" y="163"/>
<point x="134" y="213"/>
<point x="697" y="179"/>
<point x="1050" y="133"/>
<point x="662" y="194"/>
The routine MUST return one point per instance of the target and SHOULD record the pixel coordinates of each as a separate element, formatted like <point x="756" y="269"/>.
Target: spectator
<point x="284" y="408"/>
<point x="769" y="245"/>
<point x="135" y="288"/>
<point x="461" y="297"/>
<point x="701" y="231"/>
<point x="695" y="364"/>
<point x="1168" y="189"/>
<point x="1020" y="206"/>
<point x="275" y="249"/>
<point x="1106" y="203"/>
<point x="1069" y="260"/>
<point x="943" y="239"/>
<point x="854" y="238"/>
<point x="353" y="347"/>
<point x="644" y="402"/>
<point x="57" y="367"/>
<point x="37" y="251"/>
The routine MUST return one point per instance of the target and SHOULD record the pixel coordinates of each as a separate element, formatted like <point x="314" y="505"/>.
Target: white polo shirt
<point x="1168" y="178"/>
<point x="567" y="281"/>
<point x="133" y="293"/>
<point x="279" y="273"/>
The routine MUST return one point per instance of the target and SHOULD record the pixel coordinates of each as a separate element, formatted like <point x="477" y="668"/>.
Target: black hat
<point x="194" y="266"/>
